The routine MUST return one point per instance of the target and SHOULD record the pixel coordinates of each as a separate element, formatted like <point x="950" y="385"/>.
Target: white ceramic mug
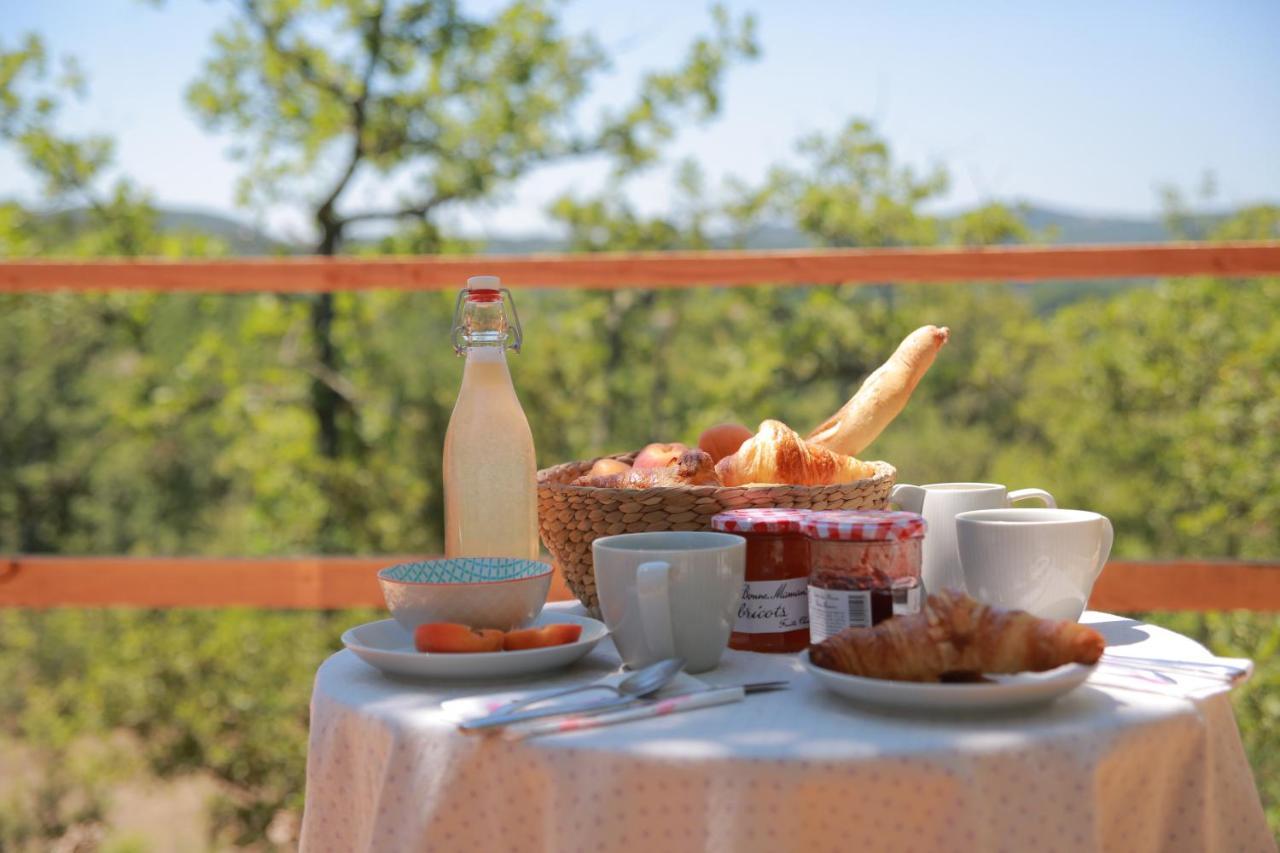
<point x="670" y="594"/>
<point x="940" y="503"/>
<point x="1044" y="561"/>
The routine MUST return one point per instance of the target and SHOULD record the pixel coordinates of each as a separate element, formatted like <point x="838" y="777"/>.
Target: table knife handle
<point x="493" y="721"/>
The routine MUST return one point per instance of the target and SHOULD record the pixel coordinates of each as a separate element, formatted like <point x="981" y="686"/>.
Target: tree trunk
<point x="325" y="401"/>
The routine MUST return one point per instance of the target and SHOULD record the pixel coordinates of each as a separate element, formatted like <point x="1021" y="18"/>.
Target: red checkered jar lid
<point x="760" y="520"/>
<point x="863" y="525"/>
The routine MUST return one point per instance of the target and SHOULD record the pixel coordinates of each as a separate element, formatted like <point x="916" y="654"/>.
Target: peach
<point x="607" y="467"/>
<point x="659" y="455"/>
<point x="723" y="440"/>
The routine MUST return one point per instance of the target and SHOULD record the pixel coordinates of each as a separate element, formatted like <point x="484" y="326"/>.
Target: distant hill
<point x="241" y="239"/>
<point x="1078" y="228"/>
<point x="1064" y="226"/>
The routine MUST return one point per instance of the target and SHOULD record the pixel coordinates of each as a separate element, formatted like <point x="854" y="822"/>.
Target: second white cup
<point x="1043" y="561"/>
<point x="670" y="594"/>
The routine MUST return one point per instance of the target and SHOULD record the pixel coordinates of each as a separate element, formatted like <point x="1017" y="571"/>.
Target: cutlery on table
<point x="643" y="682"/>
<point x="643" y="709"/>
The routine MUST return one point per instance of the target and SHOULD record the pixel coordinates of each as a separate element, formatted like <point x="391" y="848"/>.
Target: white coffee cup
<point x="1044" y="561"/>
<point x="940" y="503"/>
<point x="670" y="594"/>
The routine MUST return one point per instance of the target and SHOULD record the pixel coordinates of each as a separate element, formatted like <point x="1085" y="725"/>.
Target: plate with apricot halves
<point x="957" y="654"/>
<point x="457" y="652"/>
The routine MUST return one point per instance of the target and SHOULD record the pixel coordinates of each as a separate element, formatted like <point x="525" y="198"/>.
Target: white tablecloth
<point x="1100" y="769"/>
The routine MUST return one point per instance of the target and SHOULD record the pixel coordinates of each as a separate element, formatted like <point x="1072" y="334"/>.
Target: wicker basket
<point x="570" y="518"/>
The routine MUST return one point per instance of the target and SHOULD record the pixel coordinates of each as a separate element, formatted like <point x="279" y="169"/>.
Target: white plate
<point x="388" y="647"/>
<point x="1006" y="691"/>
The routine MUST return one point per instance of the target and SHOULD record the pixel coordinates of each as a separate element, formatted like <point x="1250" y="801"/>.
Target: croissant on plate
<point x="693" y="468"/>
<point x="955" y="634"/>
<point x="777" y="454"/>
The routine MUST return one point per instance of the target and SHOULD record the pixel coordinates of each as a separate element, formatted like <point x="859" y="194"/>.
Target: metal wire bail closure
<point x="514" y="331"/>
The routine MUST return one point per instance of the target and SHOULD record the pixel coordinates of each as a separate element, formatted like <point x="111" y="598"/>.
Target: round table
<point x="801" y="769"/>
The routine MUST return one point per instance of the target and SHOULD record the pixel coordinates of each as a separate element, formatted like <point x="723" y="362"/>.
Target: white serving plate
<point x="1005" y="691"/>
<point x="388" y="647"/>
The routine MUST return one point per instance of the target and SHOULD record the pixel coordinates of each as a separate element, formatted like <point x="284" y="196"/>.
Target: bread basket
<point x="570" y="518"/>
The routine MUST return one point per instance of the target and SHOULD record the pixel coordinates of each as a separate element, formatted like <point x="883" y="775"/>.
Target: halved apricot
<point x="452" y="638"/>
<point x="538" y="638"/>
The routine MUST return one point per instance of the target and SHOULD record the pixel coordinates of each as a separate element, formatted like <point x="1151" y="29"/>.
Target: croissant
<point x="955" y="634"/>
<point x="776" y="454"/>
<point x="693" y="468"/>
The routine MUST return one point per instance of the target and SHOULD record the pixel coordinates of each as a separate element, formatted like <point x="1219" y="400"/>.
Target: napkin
<point x="1184" y="679"/>
<point x="472" y="707"/>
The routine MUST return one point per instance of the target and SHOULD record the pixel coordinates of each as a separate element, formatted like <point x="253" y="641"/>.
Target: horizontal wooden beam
<point x="330" y="582"/>
<point x="1193" y="585"/>
<point x="646" y="270"/>
<point x="287" y="582"/>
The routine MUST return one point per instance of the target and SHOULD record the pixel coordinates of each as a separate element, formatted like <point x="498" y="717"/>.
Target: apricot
<point x="452" y="638"/>
<point x="538" y="638"/>
<point x="723" y="440"/>
<point x="659" y="455"/>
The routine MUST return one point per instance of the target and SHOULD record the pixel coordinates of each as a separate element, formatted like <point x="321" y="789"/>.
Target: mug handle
<point x="1037" y="494"/>
<point x="911" y="498"/>
<point x="1108" y="537"/>
<point x="653" y="590"/>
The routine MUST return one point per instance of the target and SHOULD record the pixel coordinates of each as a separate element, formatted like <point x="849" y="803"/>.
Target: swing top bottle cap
<point x="484" y="288"/>
<point x="481" y="316"/>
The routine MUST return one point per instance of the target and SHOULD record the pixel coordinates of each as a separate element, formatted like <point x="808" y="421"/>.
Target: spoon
<point x="642" y="682"/>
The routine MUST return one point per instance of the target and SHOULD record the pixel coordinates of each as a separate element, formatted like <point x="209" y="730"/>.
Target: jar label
<point x="773" y="607"/>
<point x="833" y="610"/>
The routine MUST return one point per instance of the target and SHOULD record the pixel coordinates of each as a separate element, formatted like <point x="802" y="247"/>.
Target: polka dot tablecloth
<point x="1101" y="769"/>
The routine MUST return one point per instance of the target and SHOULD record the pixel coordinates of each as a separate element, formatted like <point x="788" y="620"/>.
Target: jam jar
<point x="774" y="613"/>
<point x="864" y="567"/>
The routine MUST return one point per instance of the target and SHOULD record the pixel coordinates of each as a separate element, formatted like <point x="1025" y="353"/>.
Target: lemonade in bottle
<point x="490" y="478"/>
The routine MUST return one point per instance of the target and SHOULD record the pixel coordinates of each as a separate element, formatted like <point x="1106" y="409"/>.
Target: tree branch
<point x="271" y="31"/>
<point x="373" y="44"/>
<point x="417" y="211"/>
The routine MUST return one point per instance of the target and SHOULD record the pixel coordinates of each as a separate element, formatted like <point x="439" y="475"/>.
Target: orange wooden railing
<point x="326" y="582"/>
<point x="649" y="269"/>
<point x="47" y="581"/>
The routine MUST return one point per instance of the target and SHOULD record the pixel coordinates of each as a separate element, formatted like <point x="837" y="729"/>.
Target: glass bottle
<point x="490" y="477"/>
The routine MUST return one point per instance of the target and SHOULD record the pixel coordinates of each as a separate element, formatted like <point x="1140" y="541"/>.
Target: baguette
<point x="883" y="394"/>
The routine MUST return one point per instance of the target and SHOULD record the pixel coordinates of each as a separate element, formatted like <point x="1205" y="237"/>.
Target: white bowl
<point x="483" y="592"/>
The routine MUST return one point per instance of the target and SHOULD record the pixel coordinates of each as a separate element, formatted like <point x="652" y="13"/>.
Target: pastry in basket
<point x="776" y="454"/>
<point x="882" y="395"/>
<point x="953" y="634"/>
<point x="692" y="468"/>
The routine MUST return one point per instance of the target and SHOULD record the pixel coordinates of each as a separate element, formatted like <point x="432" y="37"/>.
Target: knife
<point x="500" y="720"/>
<point x="641" y="709"/>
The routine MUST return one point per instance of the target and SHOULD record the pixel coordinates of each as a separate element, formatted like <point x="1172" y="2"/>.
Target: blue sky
<point x="1090" y="106"/>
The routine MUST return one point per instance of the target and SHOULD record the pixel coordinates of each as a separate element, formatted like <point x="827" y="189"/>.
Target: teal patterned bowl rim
<point x="463" y="571"/>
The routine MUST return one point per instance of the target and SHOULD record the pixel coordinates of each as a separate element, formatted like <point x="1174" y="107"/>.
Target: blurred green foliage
<point x="150" y="424"/>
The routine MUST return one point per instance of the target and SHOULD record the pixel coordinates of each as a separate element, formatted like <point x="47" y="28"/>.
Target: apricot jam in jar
<point x="774" y="613"/>
<point x="864" y="567"/>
